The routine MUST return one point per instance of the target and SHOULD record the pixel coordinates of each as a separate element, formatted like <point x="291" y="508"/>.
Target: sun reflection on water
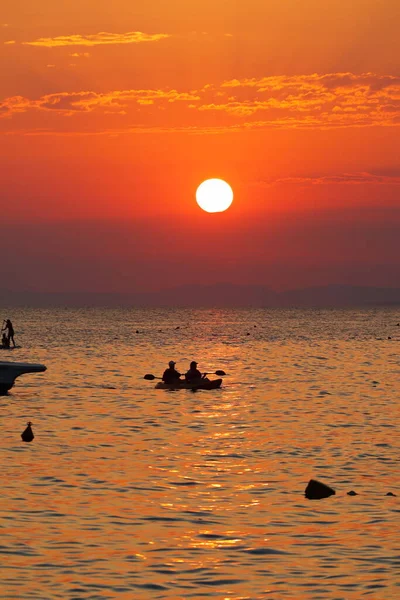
<point x="126" y="488"/>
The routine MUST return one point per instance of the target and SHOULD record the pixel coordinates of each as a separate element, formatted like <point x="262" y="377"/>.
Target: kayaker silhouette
<point x="193" y="374"/>
<point x="171" y="375"/>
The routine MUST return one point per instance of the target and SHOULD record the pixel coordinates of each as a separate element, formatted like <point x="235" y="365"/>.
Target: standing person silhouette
<point x="10" y="331"/>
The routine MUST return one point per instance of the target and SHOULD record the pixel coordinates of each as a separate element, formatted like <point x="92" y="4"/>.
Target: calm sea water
<point x="129" y="492"/>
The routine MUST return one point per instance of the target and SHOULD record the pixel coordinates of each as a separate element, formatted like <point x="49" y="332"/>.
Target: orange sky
<point x="111" y="114"/>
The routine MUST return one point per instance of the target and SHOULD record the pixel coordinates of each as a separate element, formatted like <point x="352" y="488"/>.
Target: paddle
<point x="151" y="377"/>
<point x="219" y="373"/>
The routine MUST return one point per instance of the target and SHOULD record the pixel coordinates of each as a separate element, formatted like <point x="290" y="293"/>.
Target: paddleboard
<point x="9" y="347"/>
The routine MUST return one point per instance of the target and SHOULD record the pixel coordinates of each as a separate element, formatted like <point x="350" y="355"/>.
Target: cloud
<point x="68" y="103"/>
<point x="97" y="39"/>
<point x="340" y="179"/>
<point x="318" y="101"/>
<point x="327" y="100"/>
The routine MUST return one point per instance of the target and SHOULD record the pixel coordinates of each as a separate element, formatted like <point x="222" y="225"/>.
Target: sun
<point x="214" y="195"/>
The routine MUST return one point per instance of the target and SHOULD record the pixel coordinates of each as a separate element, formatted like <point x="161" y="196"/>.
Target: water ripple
<point x="129" y="492"/>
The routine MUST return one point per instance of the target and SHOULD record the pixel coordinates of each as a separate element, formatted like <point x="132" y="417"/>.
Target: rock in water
<point x="316" y="490"/>
<point x="27" y="435"/>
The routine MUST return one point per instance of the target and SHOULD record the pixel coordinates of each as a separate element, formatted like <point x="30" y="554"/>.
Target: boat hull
<point x="9" y="371"/>
<point x="205" y="385"/>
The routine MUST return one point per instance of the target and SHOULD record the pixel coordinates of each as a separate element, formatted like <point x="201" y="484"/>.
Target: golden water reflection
<point x="131" y="492"/>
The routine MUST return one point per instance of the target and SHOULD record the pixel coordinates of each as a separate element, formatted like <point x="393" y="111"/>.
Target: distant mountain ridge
<point x="216" y="295"/>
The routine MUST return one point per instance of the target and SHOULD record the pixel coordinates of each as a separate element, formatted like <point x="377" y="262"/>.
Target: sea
<point x="130" y="492"/>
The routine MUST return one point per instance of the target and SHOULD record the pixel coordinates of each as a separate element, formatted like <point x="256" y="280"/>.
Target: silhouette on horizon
<point x="5" y="342"/>
<point x="9" y="336"/>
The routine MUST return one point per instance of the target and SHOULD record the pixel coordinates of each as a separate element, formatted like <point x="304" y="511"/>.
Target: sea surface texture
<point x="129" y="492"/>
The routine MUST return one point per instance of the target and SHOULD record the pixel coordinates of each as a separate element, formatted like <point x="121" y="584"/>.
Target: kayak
<point x="183" y="385"/>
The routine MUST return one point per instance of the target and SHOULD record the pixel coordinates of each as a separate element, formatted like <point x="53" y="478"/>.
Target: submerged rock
<point x="390" y="494"/>
<point x="352" y="493"/>
<point x="316" y="490"/>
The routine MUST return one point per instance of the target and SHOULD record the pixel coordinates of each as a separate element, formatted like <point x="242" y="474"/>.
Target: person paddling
<point x="10" y="332"/>
<point x="171" y="375"/>
<point x="193" y="375"/>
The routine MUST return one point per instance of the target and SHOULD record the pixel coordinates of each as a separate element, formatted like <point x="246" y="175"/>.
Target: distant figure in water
<point x="10" y="332"/>
<point x="5" y="342"/>
<point x="193" y="374"/>
<point x="171" y="375"/>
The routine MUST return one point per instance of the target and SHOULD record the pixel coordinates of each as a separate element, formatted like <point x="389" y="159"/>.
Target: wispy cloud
<point x="333" y="100"/>
<point x="360" y="178"/>
<point x="98" y="39"/>
<point x="69" y="103"/>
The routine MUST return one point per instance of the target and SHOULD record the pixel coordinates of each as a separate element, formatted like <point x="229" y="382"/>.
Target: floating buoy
<point x="27" y="435"/>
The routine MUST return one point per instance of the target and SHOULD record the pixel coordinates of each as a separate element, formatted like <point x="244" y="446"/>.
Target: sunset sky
<point x="113" y="112"/>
